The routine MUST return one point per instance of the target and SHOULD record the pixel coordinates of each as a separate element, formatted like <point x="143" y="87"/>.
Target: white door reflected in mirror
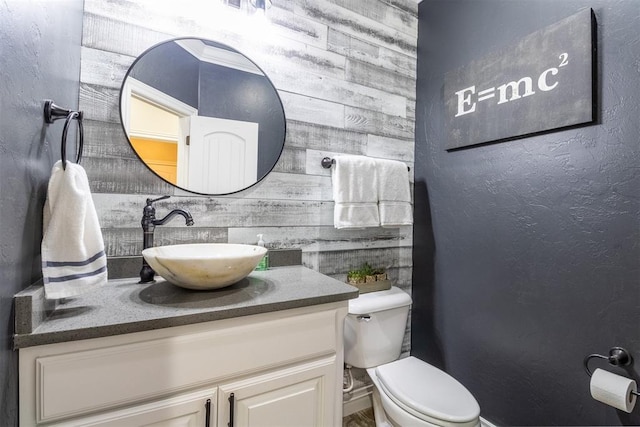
<point x="222" y="155"/>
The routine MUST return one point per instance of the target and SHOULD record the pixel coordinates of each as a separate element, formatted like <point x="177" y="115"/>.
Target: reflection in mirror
<point x="202" y="116"/>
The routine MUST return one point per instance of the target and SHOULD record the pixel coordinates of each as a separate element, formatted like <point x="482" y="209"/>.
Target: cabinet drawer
<point x="81" y="382"/>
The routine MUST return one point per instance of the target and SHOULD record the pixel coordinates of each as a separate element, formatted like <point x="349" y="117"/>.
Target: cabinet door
<point x="189" y="410"/>
<point x="297" y="396"/>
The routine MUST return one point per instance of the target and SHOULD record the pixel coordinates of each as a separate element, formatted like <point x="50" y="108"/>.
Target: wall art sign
<point x="545" y="81"/>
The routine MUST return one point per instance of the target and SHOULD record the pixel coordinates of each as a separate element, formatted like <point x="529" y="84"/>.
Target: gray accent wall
<point x="228" y="93"/>
<point x="527" y="253"/>
<point x="40" y="51"/>
<point x="172" y="70"/>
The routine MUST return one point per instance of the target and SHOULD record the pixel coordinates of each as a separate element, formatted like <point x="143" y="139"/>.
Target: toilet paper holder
<point x="618" y="356"/>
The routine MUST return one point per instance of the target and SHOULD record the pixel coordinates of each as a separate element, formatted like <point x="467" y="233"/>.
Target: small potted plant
<point x="380" y="274"/>
<point x="355" y="277"/>
<point x="368" y="279"/>
<point x="368" y="272"/>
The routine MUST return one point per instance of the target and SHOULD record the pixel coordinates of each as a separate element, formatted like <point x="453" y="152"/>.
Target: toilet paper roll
<point x="613" y="390"/>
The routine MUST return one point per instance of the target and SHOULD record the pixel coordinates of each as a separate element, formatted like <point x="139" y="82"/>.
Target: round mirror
<point x="202" y="116"/>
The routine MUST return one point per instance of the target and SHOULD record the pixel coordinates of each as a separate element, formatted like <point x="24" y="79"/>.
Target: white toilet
<point x="408" y="392"/>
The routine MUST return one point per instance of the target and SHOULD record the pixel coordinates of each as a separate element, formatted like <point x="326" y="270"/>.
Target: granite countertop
<point x="124" y="306"/>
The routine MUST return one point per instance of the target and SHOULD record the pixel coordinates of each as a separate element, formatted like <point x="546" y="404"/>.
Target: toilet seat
<point x="426" y="392"/>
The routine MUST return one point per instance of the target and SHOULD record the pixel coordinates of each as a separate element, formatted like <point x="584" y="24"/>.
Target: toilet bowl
<point x="407" y="392"/>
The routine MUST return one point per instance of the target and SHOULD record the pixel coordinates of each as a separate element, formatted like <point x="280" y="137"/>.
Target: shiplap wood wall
<point x="345" y="71"/>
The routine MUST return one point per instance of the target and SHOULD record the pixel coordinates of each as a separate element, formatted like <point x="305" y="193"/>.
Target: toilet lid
<point x="422" y="389"/>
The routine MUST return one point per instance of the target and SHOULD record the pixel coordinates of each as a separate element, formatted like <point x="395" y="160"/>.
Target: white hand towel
<point x="394" y="194"/>
<point x="73" y="258"/>
<point x="355" y="192"/>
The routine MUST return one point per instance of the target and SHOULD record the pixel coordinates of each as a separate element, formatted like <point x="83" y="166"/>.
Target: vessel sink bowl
<point x="204" y="266"/>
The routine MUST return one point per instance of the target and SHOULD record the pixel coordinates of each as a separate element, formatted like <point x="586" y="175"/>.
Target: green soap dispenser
<point x="264" y="262"/>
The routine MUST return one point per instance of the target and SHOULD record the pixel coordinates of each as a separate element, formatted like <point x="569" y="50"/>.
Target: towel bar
<point x="326" y="163"/>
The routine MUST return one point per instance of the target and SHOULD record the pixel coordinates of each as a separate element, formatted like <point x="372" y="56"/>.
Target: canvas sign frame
<point x="545" y="81"/>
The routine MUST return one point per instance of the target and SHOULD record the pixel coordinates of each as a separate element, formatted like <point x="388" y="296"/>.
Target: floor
<point x="360" y="419"/>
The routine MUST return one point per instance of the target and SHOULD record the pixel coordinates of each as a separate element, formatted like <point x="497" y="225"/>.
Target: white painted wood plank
<point x="401" y="238"/>
<point x="391" y="148"/>
<point x="175" y="234"/>
<point x="128" y="241"/>
<point x="121" y="33"/>
<point x="341" y="261"/>
<point x="325" y="238"/>
<point x="411" y="109"/>
<point x="123" y="176"/>
<point x="99" y="103"/>
<point x="190" y="17"/>
<point x="287" y="24"/>
<point x="410" y="6"/>
<point x="378" y="77"/>
<point x="378" y="123"/>
<point x="114" y="35"/>
<point x="396" y="62"/>
<point x="404" y="277"/>
<point x="318" y="137"/>
<point x="292" y="160"/>
<point x="286" y="186"/>
<point x="102" y="68"/>
<point x="352" y="47"/>
<point x="360" y="26"/>
<point x="311" y="110"/>
<point x="379" y="11"/>
<point x="379" y="56"/>
<point x="124" y="211"/>
<point x="103" y="139"/>
<point x="339" y="91"/>
<point x="289" y="54"/>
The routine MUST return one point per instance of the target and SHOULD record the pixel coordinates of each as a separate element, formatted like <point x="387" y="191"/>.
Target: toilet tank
<point x="374" y="328"/>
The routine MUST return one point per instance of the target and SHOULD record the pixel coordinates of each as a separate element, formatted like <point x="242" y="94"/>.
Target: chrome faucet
<point x="149" y="223"/>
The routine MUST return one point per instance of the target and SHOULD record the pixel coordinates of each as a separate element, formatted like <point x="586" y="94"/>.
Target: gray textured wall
<point x="527" y="254"/>
<point x="40" y="51"/>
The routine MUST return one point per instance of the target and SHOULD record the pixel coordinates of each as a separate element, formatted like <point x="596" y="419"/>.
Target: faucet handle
<point x="151" y="201"/>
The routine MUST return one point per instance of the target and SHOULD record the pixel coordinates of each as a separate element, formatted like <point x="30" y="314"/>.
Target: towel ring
<point x="52" y="112"/>
<point x="63" y="144"/>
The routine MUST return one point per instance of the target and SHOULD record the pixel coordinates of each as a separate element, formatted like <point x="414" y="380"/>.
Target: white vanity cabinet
<point x="282" y="368"/>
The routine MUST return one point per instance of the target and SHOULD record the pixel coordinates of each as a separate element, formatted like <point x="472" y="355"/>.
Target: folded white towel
<point x="394" y="194"/>
<point x="73" y="258"/>
<point x="355" y="192"/>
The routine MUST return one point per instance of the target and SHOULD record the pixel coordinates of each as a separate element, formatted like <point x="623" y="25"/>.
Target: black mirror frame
<point x="284" y="118"/>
